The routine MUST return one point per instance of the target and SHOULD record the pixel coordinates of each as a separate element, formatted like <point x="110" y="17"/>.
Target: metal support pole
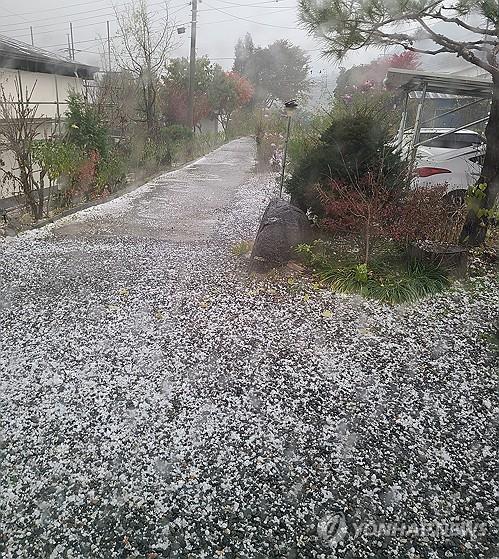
<point x="479" y="121"/>
<point x="69" y="47"/>
<point x="457" y="109"/>
<point x="108" y="45"/>
<point x="403" y="122"/>
<point x="417" y="126"/>
<point x="285" y="157"/>
<point x="31" y="32"/>
<point x="192" y="65"/>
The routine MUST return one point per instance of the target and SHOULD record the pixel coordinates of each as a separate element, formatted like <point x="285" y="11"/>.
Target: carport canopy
<point x="432" y="82"/>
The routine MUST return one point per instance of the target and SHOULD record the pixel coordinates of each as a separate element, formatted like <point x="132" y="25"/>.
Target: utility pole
<point x="69" y="46"/>
<point x="108" y="45"/>
<point x="32" y="40"/>
<point x="72" y="41"/>
<point x="192" y="65"/>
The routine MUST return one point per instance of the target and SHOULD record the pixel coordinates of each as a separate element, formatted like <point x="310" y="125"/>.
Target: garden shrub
<point x="85" y="127"/>
<point x="111" y="172"/>
<point x="57" y="157"/>
<point x="355" y="143"/>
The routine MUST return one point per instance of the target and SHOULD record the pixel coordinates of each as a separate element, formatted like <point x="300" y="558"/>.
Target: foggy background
<point x="220" y="24"/>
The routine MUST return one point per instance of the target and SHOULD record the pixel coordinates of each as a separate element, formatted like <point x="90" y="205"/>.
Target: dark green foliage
<point x="390" y="278"/>
<point x="85" y="127"/>
<point x="354" y="143"/>
<point x="389" y="285"/>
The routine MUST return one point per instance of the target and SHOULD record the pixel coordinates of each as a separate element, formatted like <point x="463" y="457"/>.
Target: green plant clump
<point x="356" y="142"/>
<point x="390" y="278"/>
<point x="241" y="248"/>
<point x="85" y="127"/>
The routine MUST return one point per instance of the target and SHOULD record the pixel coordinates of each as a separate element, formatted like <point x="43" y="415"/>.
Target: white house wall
<point x="47" y="88"/>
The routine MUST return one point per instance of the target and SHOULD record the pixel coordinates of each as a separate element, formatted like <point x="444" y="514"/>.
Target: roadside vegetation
<point x="135" y="121"/>
<point x="377" y="233"/>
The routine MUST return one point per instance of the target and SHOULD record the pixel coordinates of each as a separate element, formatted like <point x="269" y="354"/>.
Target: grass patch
<point x="241" y="248"/>
<point x="389" y="278"/>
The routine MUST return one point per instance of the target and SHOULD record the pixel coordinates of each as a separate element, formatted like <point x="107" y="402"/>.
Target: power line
<point x="249" y="20"/>
<point x="67" y="17"/>
<point x="263" y="4"/>
<point x="259" y="5"/>
<point x="95" y="23"/>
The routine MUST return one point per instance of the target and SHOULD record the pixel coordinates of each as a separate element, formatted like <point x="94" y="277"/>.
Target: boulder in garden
<point x="283" y="226"/>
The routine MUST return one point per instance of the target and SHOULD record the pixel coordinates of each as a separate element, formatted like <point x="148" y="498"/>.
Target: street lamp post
<point x="290" y="107"/>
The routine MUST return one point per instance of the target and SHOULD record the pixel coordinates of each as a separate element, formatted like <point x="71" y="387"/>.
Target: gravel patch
<point x="156" y="402"/>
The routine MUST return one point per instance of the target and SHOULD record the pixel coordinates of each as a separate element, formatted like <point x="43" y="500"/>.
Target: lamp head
<point x="290" y="106"/>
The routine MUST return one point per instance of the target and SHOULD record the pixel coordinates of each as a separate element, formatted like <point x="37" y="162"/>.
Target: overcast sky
<point x="221" y="23"/>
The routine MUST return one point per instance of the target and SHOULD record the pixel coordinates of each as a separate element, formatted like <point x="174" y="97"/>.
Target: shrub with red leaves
<point x="367" y="208"/>
<point x="426" y="214"/>
<point x="371" y="211"/>
<point x="87" y="173"/>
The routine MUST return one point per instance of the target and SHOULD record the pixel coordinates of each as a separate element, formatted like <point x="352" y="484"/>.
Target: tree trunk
<point x="367" y="244"/>
<point x="475" y="227"/>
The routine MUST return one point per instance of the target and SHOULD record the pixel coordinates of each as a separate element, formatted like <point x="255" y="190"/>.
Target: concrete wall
<point x="47" y="89"/>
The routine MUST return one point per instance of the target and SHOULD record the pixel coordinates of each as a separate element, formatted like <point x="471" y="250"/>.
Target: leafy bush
<point x="426" y="214"/>
<point x="111" y="172"/>
<point x="58" y="158"/>
<point x="85" y="127"/>
<point x="354" y="144"/>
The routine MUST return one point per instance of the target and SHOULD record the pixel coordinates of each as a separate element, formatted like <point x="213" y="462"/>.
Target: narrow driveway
<point x="157" y="402"/>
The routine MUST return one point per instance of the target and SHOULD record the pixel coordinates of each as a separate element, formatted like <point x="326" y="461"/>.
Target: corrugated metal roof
<point x="21" y="56"/>
<point x="445" y="84"/>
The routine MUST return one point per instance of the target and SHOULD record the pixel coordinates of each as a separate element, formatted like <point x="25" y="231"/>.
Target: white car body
<point x="454" y="160"/>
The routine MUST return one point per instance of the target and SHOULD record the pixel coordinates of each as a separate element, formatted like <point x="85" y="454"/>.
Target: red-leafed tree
<point x="369" y="77"/>
<point x="229" y="92"/>
<point x="243" y="88"/>
<point x="175" y="91"/>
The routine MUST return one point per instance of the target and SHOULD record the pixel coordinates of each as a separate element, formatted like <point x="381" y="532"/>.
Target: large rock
<point x="283" y="226"/>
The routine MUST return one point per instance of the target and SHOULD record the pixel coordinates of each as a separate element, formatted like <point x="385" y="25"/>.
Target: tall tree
<point x="353" y="24"/>
<point x="278" y="72"/>
<point x="176" y="88"/>
<point x="144" y="43"/>
<point x="242" y="53"/>
<point x="229" y="92"/>
<point x="21" y="126"/>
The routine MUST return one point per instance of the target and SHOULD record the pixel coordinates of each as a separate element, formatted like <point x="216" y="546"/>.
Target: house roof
<point x="16" y="55"/>
<point x="414" y="80"/>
